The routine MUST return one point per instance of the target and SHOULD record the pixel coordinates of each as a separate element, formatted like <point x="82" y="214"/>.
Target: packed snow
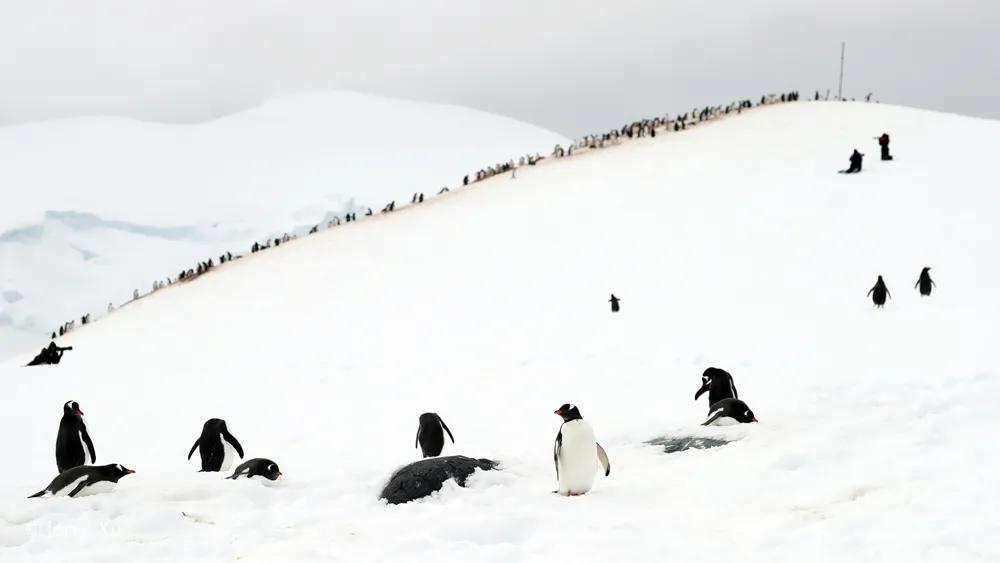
<point x="94" y="208"/>
<point x="733" y="245"/>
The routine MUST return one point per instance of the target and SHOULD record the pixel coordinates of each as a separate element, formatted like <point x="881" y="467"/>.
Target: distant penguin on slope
<point x="614" y="303"/>
<point x="257" y="467"/>
<point x="729" y="411"/>
<point x="577" y="453"/>
<point x="217" y="446"/>
<point x="925" y="282"/>
<point x="429" y="434"/>
<point x="85" y="480"/>
<point x="879" y="292"/>
<point x="73" y="444"/>
<point x="719" y="385"/>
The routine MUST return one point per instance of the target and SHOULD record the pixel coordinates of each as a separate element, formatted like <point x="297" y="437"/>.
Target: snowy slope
<point x="92" y="208"/>
<point x="732" y="245"/>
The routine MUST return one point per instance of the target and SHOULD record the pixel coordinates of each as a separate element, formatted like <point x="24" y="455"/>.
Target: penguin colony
<point x="635" y="130"/>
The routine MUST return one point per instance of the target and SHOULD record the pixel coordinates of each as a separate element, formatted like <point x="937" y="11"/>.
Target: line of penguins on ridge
<point x="637" y="129"/>
<point x="576" y="452"/>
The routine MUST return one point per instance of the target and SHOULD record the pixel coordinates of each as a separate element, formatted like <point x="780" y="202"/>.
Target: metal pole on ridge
<point x="840" y="85"/>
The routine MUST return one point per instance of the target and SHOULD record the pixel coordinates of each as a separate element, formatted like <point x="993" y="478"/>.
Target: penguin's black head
<point x="72" y="407"/>
<point x="118" y="471"/>
<point x="271" y="471"/>
<point x="569" y="412"/>
<point x="745" y="415"/>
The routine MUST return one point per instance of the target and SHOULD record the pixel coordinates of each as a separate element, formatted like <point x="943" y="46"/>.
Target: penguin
<point x="85" y="479"/>
<point x="729" y="411"/>
<point x="719" y="385"/>
<point x="925" y="282"/>
<point x="576" y="453"/>
<point x="879" y="292"/>
<point x="429" y="434"/>
<point x="614" y="303"/>
<point x="257" y="467"/>
<point x="216" y="446"/>
<point x="73" y="444"/>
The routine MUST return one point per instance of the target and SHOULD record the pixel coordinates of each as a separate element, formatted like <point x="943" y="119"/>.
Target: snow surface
<point x="732" y="245"/>
<point x="93" y="208"/>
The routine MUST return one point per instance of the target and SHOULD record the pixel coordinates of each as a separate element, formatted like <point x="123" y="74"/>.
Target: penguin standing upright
<point x="614" y="303"/>
<point x="719" y="385"/>
<point x="729" y="411"/>
<point x="429" y="434"/>
<point x="73" y="444"/>
<point x="879" y="292"/>
<point x="86" y="479"/>
<point x="925" y="282"/>
<point x="217" y="446"/>
<point x="577" y="453"/>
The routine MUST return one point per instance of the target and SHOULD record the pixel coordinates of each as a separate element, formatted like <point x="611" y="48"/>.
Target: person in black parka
<point x="883" y="142"/>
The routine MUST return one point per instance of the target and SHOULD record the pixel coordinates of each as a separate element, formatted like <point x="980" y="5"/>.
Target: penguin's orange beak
<point x="559" y="412"/>
<point x="755" y="419"/>
<point x="78" y="412"/>
<point x="130" y="471"/>
<point x="279" y="474"/>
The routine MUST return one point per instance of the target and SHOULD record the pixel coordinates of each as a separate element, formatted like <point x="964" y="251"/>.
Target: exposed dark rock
<point x="423" y="477"/>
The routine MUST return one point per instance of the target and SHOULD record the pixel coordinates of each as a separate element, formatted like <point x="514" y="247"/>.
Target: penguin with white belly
<point x="85" y="480"/>
<point x="217" y="446"/>
<point x="73" y="444"/>
<point x="728" y="412"/>
<point x="577" y="453"/>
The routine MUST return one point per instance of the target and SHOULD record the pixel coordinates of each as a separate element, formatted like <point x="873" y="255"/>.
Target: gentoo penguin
<point x="719" y="385"/>
<point x="429" y="434"/>
<point x="218" y="448"/>
<point x="878" y="293"/>
<point x="729" y="411"/>
<point x="257" y="467"/>
<point x="85" y="480"/>
<point x="925" y="282"/>
<point x="614" y="303"/>
<point x="576" y="453"/>
<point x="73" y="444"/>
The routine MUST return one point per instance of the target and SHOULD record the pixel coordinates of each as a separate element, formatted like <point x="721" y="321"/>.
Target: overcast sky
<point x="572" y="66"/>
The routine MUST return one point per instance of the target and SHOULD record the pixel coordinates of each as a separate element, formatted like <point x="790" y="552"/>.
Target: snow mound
<point x="95" y="207"/>
<point x="733" y="245"/>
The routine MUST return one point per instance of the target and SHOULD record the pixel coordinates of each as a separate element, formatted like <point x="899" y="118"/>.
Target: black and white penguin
<point x="614" y="303"/>
<point x="85" y="480"/>
<point x="429" y="434"/>
<point x="217" y="446"/>
<point x="73" y="444"/>
<point x="257" y="467"/>
<point x="925" y="282"/>
<point x="719" y="385"/>
<point x="879" y="292"/>
<point x="577" y="453"/>
<point x="729" y="411"/>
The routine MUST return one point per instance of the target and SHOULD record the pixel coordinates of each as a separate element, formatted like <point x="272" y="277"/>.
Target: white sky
<point x="572" y="66"/>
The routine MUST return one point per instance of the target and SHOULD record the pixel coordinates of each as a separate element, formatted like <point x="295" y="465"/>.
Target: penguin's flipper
<point x="416" y="442"/>
<point x="603" y="457"/>
<point x="39" y="493"/>
<point x="703" y="389"/>
<point x="80" y="487"/>
<point x="194" y="447"/>
<point x="445" y="426"/>
<point x="232" y="441"/>
<point x="713" y="416"/>
<point x="555" y="451"/>
<point x="90" y="444"/>
<point x="916" y="284"/>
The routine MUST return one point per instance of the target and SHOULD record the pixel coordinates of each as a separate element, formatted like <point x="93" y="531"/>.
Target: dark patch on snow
<point x="674" y="444"/>
<point x="424" y="477"/>
<point x="12" y="296"/>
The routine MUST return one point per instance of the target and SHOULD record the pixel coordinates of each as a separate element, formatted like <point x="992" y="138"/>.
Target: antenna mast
<point x="840" y="86"/>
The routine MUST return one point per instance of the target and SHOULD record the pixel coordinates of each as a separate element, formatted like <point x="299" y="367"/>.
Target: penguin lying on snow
<point x="86" y="479"/>
<point x="217" y="446"/>
<point x="576" y="453"/>
<point x="429" y="434"/>
<point x="719" y="385"/>
<point x="73" y="444"/>
<point x="729" y="411"/>
<point x="257" y="467"/>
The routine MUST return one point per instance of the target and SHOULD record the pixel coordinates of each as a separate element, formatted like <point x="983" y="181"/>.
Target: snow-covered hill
<point x="93" y="208"/>
<point x="733" y="245"/>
